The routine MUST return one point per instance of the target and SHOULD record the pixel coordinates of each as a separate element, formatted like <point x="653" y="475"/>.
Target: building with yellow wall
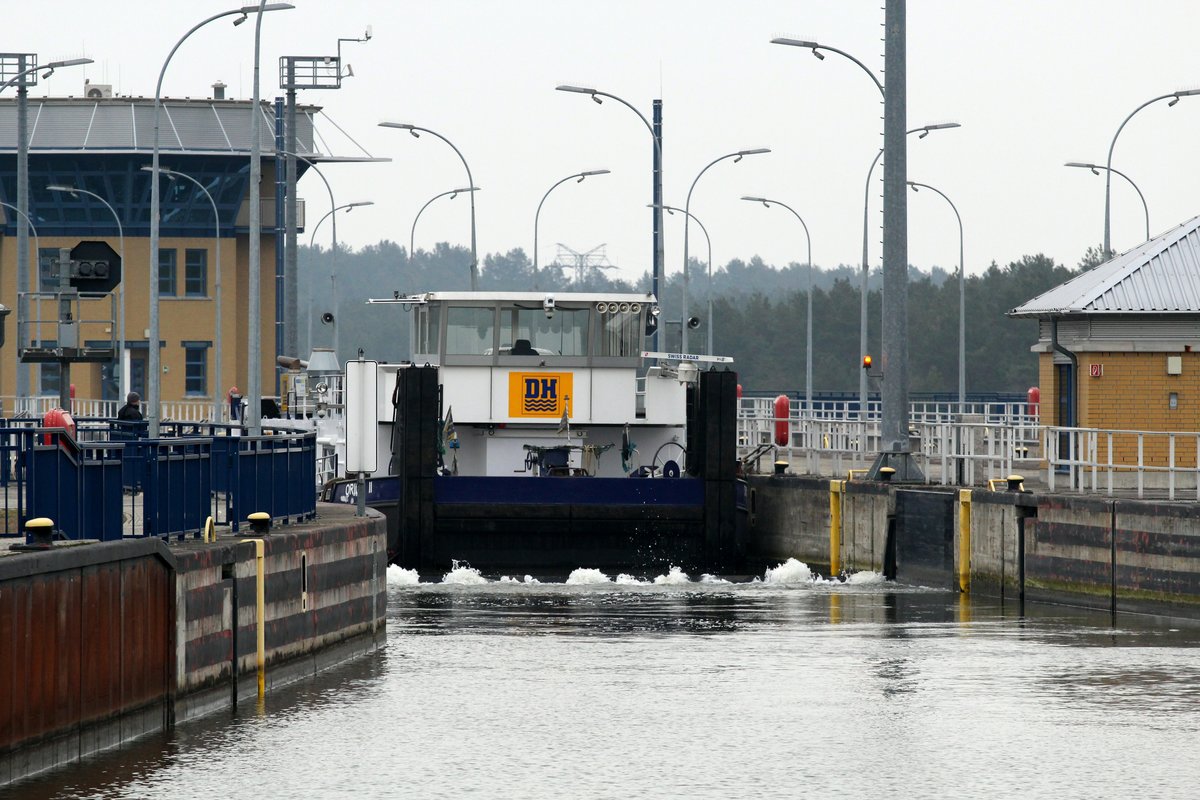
<point x="100" y="145"/>
<point x="1119" y="347"/>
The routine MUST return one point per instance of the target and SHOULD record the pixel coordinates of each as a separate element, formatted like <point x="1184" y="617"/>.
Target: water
<point x="690" y="686"/>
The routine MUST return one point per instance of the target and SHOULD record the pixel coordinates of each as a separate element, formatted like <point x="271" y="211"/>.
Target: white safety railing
<point x="1122" y="461"/>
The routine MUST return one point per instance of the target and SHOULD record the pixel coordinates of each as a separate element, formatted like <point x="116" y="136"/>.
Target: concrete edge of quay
<point x="101" y="644"/>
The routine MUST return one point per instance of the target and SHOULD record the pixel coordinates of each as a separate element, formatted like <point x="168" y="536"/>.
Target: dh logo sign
<point x="538" y="394"/>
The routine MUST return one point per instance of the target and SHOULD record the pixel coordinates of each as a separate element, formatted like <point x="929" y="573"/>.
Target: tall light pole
<point x="37" y="242"/>
<point x="122" y="384"/>
<point x="1095" y="168"/>
<point x="923" y="131"/>
<point x="414" y="130"/>
<point x="808" y="358"/>
<point x="173" y="175"/>
<point x="348" y="207"/>
<point x="581" y="176"/>
<point x="962" y="300"/>
<point x="1174" y="97"/>
<point x="687" y="207"/>
<point x="23" y="64"/>
<point x="656" y="191"/>
<point x="671" y="210"/>
<point x="152" y="383"/>
<point x="453" y="193"/>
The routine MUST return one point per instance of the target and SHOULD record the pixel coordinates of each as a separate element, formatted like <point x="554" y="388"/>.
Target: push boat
<point x="534" y="432"/>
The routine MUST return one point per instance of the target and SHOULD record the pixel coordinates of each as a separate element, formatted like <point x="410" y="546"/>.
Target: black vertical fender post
<point x="414" y="450"/>
<point x="715" y="422"/>
<point x="889" y="549"/>
<point x="427" y="467"/>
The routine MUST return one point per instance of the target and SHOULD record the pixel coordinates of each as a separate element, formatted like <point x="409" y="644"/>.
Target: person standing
<point x="132" y="410"/>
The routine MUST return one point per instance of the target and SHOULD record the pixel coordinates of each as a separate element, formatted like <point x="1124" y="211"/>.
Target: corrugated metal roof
<point x="64" y="125"/>
<point x="1161" y="276"/>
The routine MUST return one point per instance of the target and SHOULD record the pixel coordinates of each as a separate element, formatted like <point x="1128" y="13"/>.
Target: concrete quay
<point x="102" y="643"/>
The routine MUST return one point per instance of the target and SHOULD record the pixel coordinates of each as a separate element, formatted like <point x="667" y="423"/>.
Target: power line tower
<point x="585" y="263"/>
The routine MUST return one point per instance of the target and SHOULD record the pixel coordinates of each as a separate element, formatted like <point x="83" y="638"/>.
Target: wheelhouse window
<point x="469" y="331"/>
<point x="428" y="326"/>
<point x="620" y="331"/>
<point x="565" y="333"/>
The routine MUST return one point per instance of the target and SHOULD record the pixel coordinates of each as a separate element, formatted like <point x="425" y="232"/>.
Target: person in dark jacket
<point x="132" y="410"/>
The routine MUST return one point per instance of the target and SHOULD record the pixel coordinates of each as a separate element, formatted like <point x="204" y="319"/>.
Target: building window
<point x="166" y="272"/>
<point x="195" y="279"/>
<point x="195" y="368"/>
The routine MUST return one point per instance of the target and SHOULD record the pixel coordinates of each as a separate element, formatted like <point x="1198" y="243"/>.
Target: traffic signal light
<point x="866" y="363"/>
<point x="95" y="267"/>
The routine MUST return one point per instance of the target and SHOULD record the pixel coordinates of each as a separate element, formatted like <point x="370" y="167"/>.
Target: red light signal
<point x="866" y="364"/>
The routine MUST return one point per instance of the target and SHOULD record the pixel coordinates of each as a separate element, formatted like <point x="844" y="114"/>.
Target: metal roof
<point x="1161" y="276"/>
<point x="124" y="124"/>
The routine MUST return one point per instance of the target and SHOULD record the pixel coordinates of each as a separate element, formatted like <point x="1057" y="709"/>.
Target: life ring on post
<point x="59" y="418"/>
<point x="783" y="415"/>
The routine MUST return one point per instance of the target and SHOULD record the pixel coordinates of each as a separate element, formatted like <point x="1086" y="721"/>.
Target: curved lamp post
<point x="581" y="177"/>
<point x="414" y="130"/>
<point x="671" y="210"/>
<point x="1108" y="170"/>
<point x="453" y="193"/>
<point x="332" y="212"/>
<point x="923" y="131"/>
<point x="173" y="175"/>
<point x="1095" y="168"/>
<point x="808" y="358"/>
<point x="656" y="181"/>
<point x="962" y="301"/>
<point x="37" y="242"/>
<point x="687" y="207"/>
<point x="155" y="376"/>
<point x="122" y="388"/>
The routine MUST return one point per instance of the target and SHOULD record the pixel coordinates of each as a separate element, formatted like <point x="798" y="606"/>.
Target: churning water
<point x="664" y="686"/>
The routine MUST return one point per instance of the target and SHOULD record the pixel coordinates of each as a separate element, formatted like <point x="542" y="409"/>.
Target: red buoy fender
<point x="1033" y="398"/>
<point x="783" y="414"/>
<point x="58" y="418"/>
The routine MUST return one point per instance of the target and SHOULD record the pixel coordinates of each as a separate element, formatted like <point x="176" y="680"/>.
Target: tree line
<point x="758" y="312"/>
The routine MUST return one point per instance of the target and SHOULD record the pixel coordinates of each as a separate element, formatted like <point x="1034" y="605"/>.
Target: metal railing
<point x="1122" y="461"/>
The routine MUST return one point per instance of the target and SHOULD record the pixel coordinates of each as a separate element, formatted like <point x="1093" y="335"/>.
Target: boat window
<point x="620" y="333"/>
<point x="564" y="334"/>
<point x="469" y="330"/>
<point x="428" y="318"/>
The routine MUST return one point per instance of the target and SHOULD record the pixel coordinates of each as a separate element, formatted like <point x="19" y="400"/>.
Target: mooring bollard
<point x="39" y="533"/>
<point x="260" y="522"/>
<point x="886" y="473"/>
<point x="781" y="467"/>
<point x="1016" y="483"/>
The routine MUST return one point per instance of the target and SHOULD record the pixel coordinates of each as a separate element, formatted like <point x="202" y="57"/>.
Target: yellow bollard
<point x="835" y="528"/>
<point x="964" y="540"/>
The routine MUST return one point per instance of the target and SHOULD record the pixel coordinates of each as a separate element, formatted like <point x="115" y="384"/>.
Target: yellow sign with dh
<point x="539" y="395"/>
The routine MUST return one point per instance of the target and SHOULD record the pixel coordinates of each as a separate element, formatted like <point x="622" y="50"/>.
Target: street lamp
<point x="683" y="346"/>
<point x="23" y="275"/>
<point x="581" y="177"/>
<point x="656" y="191"/>
<point x="152" y="384"/>
<point x="922" y="132"/>
<point x="1108" y="170"/>
<point x="37" y="242"/>
<point x="808" y="358"/>
<point x="348" y="207"/>
<point x="1095" y="168"/>
<point x="816" y="48"/>
<point x="174" y="175"/>
<point x="453" y="193"/>
<point x="962" y="301"/>
<point x="122" y="387"/>
<point x="671" y="210"/>
<point x="413" y="129"/>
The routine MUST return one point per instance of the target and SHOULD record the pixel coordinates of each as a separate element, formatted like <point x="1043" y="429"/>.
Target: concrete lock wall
<point x="789" y="519"/>
<point x="865" y="510"/>
<point x="164" y="652"/>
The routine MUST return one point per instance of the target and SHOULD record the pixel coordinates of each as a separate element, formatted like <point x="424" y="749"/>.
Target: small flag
<point x="564" y="424"/>
<point x="449" y="435"/>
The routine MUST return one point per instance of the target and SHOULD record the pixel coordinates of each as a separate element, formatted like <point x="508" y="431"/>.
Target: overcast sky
<point x="1034" y="84"/>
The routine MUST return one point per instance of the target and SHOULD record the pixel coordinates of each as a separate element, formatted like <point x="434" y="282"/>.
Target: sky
<point x="1034" y="83"/>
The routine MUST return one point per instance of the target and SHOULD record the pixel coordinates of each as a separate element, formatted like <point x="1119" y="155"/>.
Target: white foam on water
<point x="789" y="572"/>
<point x="865" y="577"/>
<point x="625" y="579"/>
<point x="706" y="578"/>
<point x="506" y="579"/>
<point x="399" y="576"/>
<point x="464" y="576"/>
<point x="674" y="577"/>
<point x="582" y="576"/>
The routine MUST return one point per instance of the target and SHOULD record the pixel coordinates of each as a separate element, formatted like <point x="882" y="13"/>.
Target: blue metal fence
<point x="94" y="486"/>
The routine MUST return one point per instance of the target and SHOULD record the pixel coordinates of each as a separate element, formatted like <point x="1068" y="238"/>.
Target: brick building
<point x="100" y="144"/>
<point x="1119" y="345"/>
